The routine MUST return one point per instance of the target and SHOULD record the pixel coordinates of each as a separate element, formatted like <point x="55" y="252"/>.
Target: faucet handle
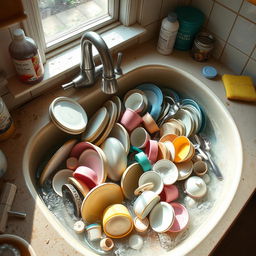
<point x="118" y="69"/>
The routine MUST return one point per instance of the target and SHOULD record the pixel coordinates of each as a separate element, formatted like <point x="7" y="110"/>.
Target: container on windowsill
<point x="26" y="58"/>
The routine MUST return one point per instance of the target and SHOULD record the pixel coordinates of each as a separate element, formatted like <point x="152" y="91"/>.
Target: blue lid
<point x="209" y="72"/>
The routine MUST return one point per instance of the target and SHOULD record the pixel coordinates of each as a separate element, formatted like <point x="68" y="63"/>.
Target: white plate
<point x="96" y="125"/>
<point x="60" y="155"/>
<point x="68" y="115"/>
<point x="59" y="179"/>
<point x="112" y="110"/>
<point x="120" y="133"/>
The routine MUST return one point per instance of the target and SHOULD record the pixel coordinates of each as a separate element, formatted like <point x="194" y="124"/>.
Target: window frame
<point x="33" y="27"/>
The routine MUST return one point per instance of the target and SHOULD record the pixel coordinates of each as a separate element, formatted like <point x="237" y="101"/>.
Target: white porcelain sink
<point x="221" y="129"/>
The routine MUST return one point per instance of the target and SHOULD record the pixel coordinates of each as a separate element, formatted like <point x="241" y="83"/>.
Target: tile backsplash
<point x="233" y="23"/>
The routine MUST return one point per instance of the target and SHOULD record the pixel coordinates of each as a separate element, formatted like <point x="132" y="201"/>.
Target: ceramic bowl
<point x="195" y="187"/>
<point x="19" y="243"/>
<point x="169" y="193"/>
<point x="185" y="169"/>
<point x="59" y="179"/>
<point x="139" y="137"/>
<point x="181" y="218"/>
<point x="152" y="177"/>
<point x="140" y="225"/>
<point x="161" y="217"/>
<point x="116" y="157"/>
<point x="183" y="149"/>
<point x="163" y="152"/>
<point x="170" y="147"/>
<point x="87" y="175"/>
<point x="167" y="170"/>
<point x="200" y="168"/>
<point x="144" y="203"/>
<point x="101" y="166"/>
<point x="117" y="221"/>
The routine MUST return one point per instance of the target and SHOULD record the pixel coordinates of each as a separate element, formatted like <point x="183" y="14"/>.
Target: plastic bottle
<point x="6" y="122"/>
<point x="168" y="33"/>
<point x="26" y="58"/>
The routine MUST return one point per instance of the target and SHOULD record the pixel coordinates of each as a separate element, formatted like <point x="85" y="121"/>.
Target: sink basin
<point x="220" y="129"/>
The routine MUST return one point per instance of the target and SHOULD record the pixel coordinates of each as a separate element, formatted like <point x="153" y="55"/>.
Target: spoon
<point x="206" y="155"/>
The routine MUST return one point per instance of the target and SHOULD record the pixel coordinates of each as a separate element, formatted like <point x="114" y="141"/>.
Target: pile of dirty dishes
<point x="133" y="161"/>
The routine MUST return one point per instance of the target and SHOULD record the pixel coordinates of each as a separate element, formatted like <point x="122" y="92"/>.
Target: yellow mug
<point x="117" y="221"/>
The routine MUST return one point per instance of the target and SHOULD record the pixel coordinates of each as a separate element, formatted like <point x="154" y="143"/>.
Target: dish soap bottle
<point x="6" y="122"/>
<point x="26" y="58"/>
<point x="168" y="33"/>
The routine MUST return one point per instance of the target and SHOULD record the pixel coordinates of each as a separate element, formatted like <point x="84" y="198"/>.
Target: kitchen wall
<point x="232" y="22"/>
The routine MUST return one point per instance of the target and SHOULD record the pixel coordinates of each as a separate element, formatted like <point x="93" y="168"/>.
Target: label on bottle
<point x="29" y="70"/>
<point x="166" y="40"/>
<point x="5" y="119"/>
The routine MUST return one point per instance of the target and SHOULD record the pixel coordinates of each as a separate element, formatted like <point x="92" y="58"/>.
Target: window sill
<point x="64" y="66"/>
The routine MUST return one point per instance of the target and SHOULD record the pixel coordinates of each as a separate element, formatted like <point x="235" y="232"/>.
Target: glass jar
<point x="6" y="122"/>
<point x="203" y="46"/>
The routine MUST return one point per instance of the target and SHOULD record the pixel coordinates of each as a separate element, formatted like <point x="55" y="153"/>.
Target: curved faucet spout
<point x="88" y="71"/>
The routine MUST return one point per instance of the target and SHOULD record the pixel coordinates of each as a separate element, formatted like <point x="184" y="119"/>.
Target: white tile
<point x="150" y="11"/>
<point x="167" y="6"/>
<point x="232" y="4"/>
<point x="250" y="70"/>
<point x="254" y="54"/>
<point x="248" y="10"/>
<point x="205" y="6"/>
<point x="218" y="47"/>
<point x="234" y="59"/>
<point x="221" y="21"/>
<point x="243" y="35"/>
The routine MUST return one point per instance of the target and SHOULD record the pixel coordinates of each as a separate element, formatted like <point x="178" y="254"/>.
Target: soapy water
<point x="9" y="250"/>
<point x="160" y="242"/>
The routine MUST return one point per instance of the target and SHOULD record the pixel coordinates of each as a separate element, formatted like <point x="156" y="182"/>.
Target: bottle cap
<point x="172" y="17"/>
<point x="18" y="34"/>
<point x="209" y="72"/>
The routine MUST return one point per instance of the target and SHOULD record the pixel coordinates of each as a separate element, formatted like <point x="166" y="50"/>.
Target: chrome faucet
<point x="88" y="71"/>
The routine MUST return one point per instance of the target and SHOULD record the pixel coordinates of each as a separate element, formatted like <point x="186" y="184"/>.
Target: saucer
<point x="98" y="199"/>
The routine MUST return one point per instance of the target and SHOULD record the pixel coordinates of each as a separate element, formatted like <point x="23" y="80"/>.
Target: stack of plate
<point x="68" y="115"/>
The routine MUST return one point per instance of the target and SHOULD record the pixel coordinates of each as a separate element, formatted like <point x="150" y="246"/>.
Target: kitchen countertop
<point x="32" y="116"/>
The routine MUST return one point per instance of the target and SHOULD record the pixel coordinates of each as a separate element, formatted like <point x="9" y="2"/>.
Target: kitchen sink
<point x="220" y="128"/>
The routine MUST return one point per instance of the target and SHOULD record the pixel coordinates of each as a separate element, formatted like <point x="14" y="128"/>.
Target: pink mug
<point x="87" y="175"/>
<point x="131" y="119"/>
<point x="169" y="193"/>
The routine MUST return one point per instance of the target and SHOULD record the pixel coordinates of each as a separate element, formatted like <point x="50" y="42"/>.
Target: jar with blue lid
<point x="191" y="20"/>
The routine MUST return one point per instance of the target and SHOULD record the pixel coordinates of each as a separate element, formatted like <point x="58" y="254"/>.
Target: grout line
<point x="208" y="20"/>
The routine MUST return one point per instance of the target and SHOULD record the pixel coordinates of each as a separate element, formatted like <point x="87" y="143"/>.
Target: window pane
<point x="60" y="17"/>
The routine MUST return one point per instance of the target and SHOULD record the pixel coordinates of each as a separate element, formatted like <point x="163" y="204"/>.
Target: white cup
<point x="153" y="177"/>
<point x="144" y="203"/>
<point x="135" y="102"/>
<point x="139" y="137"/>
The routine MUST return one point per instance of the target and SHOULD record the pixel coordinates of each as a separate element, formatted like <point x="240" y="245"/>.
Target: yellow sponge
<point x="239" y="87"/>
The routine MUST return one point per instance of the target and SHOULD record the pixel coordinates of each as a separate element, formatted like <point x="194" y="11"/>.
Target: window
<point x="57" y="22"/>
